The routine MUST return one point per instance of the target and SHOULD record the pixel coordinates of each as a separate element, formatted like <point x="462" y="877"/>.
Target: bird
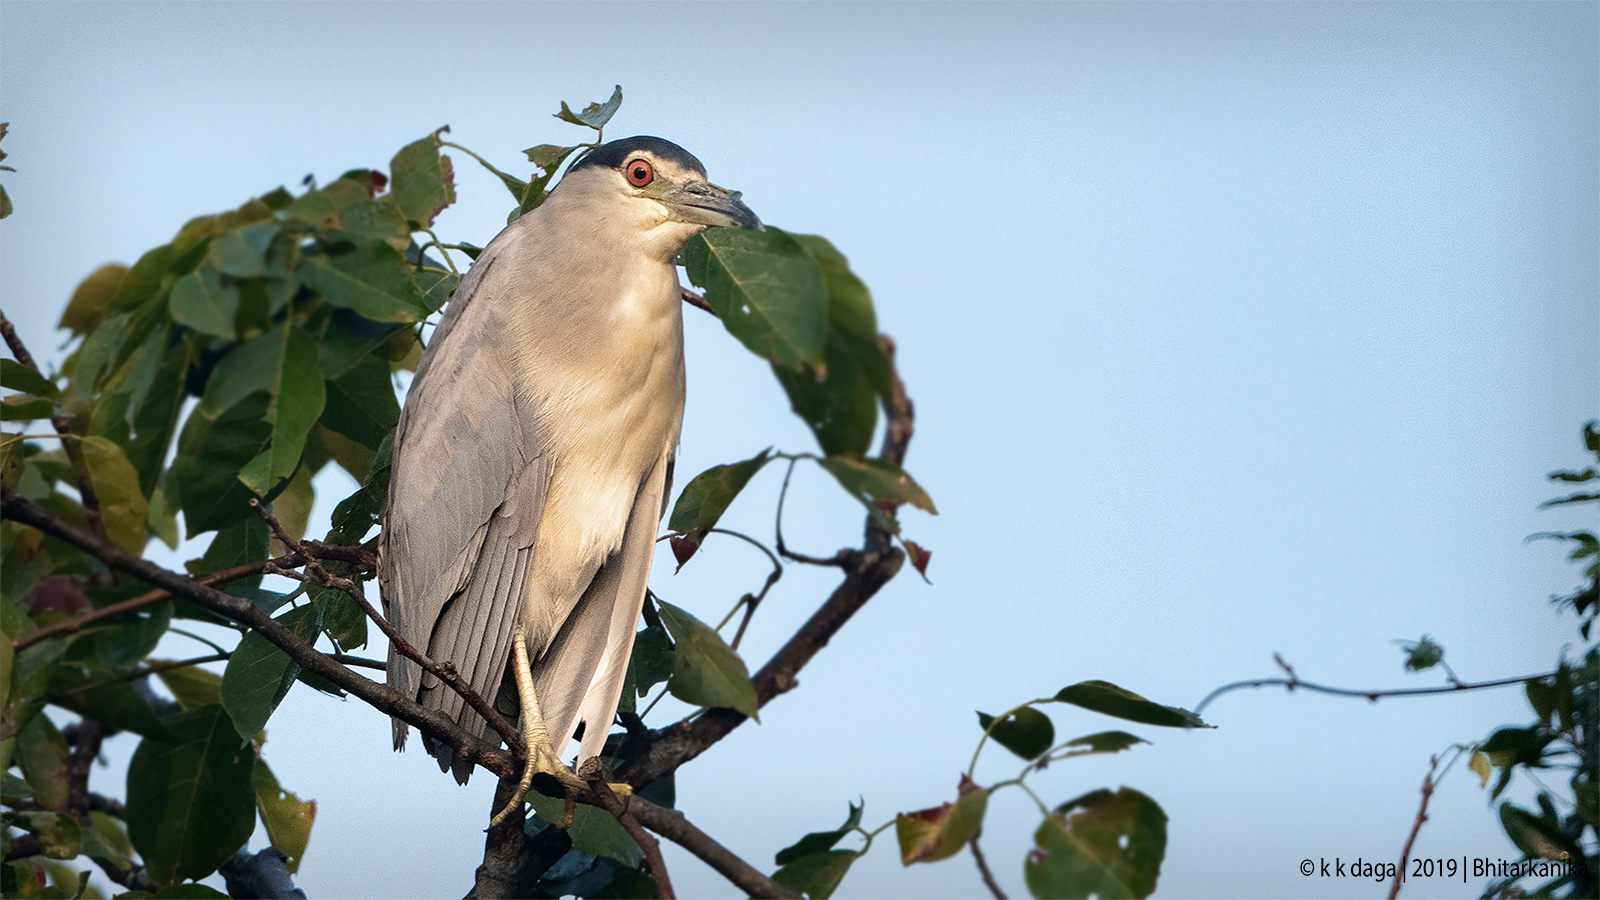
<point x="533" y="458"/>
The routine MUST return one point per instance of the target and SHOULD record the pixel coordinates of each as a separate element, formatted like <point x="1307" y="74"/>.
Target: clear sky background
<point x="1233" y="329"/>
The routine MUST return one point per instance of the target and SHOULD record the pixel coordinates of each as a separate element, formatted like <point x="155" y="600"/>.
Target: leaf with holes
<point x="424" y="181"/>
<point x="287" y="818"/>
<point x="1026" y="732"/>
<point x="595" y="115"/>
<point x="767" y="290"/>
<point x="705" y="671"/>
<point x="1101" y="844"/>
<point x="841" y="408"/>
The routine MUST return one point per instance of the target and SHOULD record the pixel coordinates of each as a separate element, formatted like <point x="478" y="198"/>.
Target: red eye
<point x="640" y="173"/>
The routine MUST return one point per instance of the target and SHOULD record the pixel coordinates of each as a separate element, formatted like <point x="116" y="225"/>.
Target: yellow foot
<point x="541" y="756"/>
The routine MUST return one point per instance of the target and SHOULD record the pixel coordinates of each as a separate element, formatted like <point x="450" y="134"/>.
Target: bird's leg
<point x="541" y="756"/>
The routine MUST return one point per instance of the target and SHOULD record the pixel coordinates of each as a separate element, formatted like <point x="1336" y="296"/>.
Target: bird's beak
<point x="705" y="204"/>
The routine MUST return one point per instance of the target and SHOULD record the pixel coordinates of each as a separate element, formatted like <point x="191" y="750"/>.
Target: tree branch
<point x="591" y="772"/>
<point x="672" y="825"/>
<point x="19" y="509"/>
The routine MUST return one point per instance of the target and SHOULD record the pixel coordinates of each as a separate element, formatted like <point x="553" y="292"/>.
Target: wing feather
<point x="457" y="538"/>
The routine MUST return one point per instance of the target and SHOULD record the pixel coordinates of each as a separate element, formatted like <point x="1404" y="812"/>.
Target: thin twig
<point x="592" y="772"/>
<point x="697" y="301"/>
<point x="445" y="672"/>
<point x="837" y="560"/>
<point x="467" y="746"/>
<point x="63" y="426"/>
<point x="1294" y="682"/>
<point x="93" y="617"/>
<point x="1416" y="826"/>
<point x="983" y="870"/>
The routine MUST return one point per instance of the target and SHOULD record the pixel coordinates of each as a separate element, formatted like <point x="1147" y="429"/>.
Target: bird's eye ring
<point x="640" y="173"/>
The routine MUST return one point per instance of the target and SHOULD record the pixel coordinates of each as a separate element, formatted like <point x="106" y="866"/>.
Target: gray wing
<point x="466" y="496"/>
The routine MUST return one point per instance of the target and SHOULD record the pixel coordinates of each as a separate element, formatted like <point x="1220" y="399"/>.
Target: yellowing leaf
<point x="116" y="484"/>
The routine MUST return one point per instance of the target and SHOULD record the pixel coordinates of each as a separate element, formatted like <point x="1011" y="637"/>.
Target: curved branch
<point x="19" y="509"/>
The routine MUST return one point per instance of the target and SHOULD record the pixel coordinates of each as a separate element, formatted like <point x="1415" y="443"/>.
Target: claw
<point x="541" y="756"/>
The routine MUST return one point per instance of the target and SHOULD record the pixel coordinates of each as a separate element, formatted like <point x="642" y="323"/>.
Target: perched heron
<point x="533" y="460"/>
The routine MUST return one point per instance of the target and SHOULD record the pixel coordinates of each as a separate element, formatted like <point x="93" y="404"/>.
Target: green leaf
<point x="191" y="798"/>
<point x="548" y="156"/>
<point x="707" y="497"/>
<point x="1107" y="741"/>
<point x="767" y="290"/>
<point x="342" y="617"/>
<point x="930" y="835"/>
<point x="374" y="281"/>
<point x="595" y="115"/>
<point x="26" y="409"/>
<point x="92" y="297"/>
<point x="259" y="674"/>
<point x="123" y="508"/>
<point x="705" y="671"/>
<point x="210" y="454"/>
<point x="59" y="835"/>
<point x="593" y="830"/>
<point x="361" y="404"/>
<point x="201" y="301"/>
<point x="242" y="543"/>
<point x="192" y="686"/>
<point x="18" y="377"/>
<point x="114" y="703"/>
<point x="378" y="220"/>
<point x="106" y="842"/>
<point x="1101" y="844"/>
<point x="423" y="181"/>
<point x="1536" y="836"/>
<point x="874" y="482"/>
<point x="819" y="841"/>
<point x="650" y="664"/>
<point x="841" y="408"/>
<point x="1107" y="698"/>
<point x="42" y="753"/>
<point x="132" y="641"/>
<point x="817" y="875"/>
<point x="287" y="818"/>
<point x="1025" y="731"/>
<point x="1421" y="655"/>
<point x="348" y="339"/>
<point x="242" y="253"/>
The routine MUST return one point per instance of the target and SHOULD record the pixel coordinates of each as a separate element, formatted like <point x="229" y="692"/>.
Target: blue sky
<point x="1233" y="329"/>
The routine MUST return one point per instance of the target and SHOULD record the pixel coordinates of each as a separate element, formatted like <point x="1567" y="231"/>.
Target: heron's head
<point x="655" y="187"/>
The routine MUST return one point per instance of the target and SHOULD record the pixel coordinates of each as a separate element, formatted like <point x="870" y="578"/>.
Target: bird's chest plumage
<point x="606" y="384"/>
